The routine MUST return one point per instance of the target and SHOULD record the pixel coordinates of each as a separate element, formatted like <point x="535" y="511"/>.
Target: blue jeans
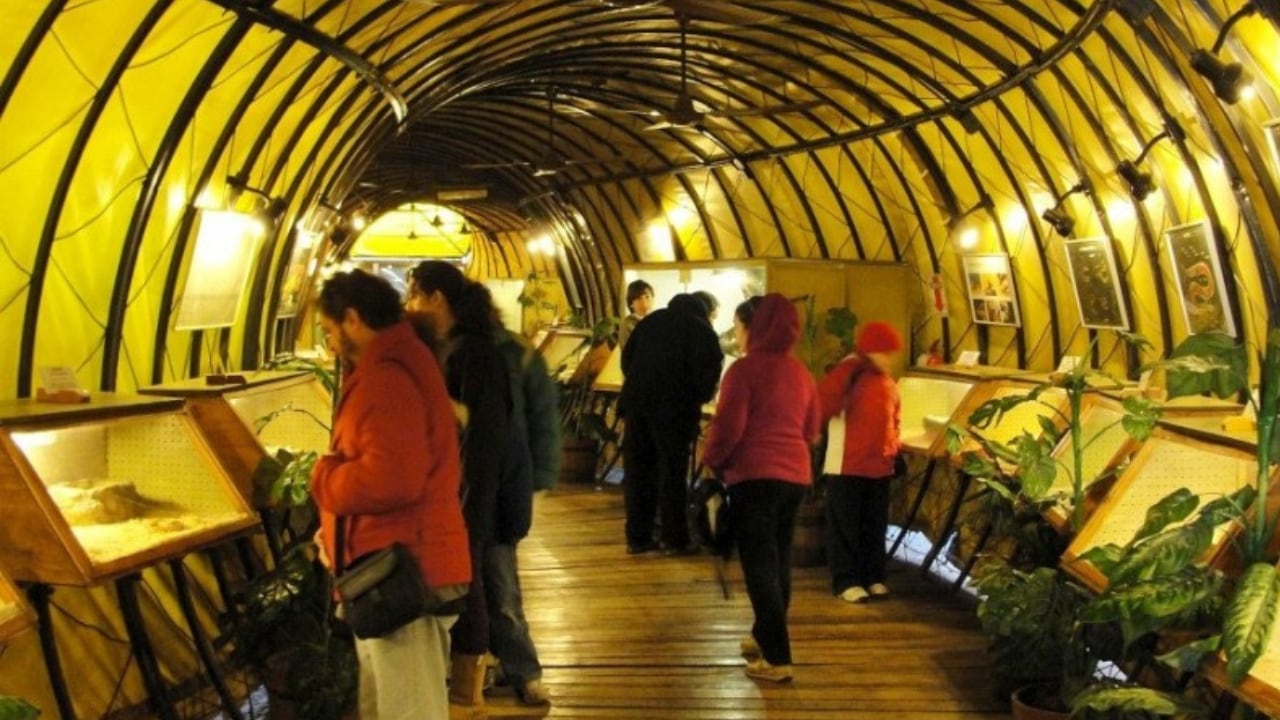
<point x="508" y="630"/>
<point x="763" y="516"/>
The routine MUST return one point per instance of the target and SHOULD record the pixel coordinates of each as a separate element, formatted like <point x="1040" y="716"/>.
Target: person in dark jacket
<point x="461" y="316"/>
<point x="533" y="465"/>
<point x="671" y="366"/>
<point x="767" y="418"/>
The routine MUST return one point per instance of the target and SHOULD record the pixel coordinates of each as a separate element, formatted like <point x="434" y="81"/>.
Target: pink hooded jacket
<point x="768" y="414"/>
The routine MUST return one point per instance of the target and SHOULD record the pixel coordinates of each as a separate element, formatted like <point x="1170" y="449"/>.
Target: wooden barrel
<point x="578" y="458"/>
<point x="809" y="544"/>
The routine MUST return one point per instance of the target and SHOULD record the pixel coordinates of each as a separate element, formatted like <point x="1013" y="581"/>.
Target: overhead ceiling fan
<point x="553" y="161"/>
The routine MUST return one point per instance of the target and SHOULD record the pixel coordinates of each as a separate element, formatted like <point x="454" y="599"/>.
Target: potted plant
<point x="12" y="708"/>
<point x="282" y="623"/>
<point x="1153" y="584"/>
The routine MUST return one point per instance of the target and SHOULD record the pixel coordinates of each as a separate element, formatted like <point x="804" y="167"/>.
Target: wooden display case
<point x="93" y="492"/>
<point x="243" y="423"/>
<point x="15" y="615"/>
<point x="563" y="348"/>
<point x="1050" y="405"/>
<point x="1166" y="462"/>
<point x="929" y="404"/>
<point x="1261" y="687"/>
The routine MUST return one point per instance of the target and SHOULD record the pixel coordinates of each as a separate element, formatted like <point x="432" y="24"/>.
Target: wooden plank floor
<point x="652" y="637"/>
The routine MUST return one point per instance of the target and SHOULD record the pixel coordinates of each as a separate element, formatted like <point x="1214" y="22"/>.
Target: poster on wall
<point x="1096" y="283"/>
<point x="1197" y="274"/>
<point x="989" y="281"/>
<point x="225" y="247"/>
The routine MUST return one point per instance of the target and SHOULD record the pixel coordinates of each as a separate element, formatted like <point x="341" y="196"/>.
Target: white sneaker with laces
<point x="855" y="594"/>
<point x="878" y="590"/>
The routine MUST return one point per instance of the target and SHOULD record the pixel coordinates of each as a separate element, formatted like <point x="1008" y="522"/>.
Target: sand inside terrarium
<point x="110" y="541"/>
<point x="111" y="519"/>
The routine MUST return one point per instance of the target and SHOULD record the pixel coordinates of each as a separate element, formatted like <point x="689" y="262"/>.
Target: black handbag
<point x="384" y="590"/>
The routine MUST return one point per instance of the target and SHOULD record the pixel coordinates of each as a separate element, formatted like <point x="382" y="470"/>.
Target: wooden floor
<point x="652" y="637"/>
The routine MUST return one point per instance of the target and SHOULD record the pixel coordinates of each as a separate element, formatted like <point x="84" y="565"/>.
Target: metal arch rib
<point x="299" y="30"/>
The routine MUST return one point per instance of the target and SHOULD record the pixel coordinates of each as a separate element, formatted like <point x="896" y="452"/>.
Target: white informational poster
<point x="225" y="248"/>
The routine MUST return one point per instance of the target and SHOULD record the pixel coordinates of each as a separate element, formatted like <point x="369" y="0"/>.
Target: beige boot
<point x="466" y="687"/>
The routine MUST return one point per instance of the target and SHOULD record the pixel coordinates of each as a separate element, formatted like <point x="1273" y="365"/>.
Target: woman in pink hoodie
<point x="766" y="419"/>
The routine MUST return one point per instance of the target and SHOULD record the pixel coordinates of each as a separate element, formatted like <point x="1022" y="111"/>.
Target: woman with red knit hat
<point x="862" y="389"/>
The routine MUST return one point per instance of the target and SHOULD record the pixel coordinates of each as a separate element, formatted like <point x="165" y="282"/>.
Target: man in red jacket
<point x="392" y="472"/>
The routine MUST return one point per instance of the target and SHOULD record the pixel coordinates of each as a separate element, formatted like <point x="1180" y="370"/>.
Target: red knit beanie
<point x="876" y="337"/>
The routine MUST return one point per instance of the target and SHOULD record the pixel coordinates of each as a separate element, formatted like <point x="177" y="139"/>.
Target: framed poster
<point x="992" y="299"/>
<point x="226" y="244"/>
<point x="1197" y="273"/>
<point x="1096" y="283"/>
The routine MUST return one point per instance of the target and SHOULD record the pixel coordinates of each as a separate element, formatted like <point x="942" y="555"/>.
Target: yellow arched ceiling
<point x="853" y="130"/>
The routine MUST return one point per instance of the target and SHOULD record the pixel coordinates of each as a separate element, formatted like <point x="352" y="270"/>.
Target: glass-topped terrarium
<point x="1106" y="446"/>
<point x="15" y="616"/>
<point x="101" y="490"/>
<point x="1165" y="463"/>
<point x="244" y="422"/>
<point x="928" y="404"/>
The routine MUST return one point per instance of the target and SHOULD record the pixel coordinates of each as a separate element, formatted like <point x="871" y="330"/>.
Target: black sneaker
<point x="640" y="548"/>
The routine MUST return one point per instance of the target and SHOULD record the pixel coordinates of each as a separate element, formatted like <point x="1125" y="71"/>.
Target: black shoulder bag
<point x="384" y="590"/>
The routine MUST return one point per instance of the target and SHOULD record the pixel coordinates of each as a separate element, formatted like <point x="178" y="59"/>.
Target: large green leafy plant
<point x="283" y="622"/>
<point x="12" y="708"/>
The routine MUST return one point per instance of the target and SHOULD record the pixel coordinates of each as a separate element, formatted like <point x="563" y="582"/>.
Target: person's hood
<point x="775" y="326"/>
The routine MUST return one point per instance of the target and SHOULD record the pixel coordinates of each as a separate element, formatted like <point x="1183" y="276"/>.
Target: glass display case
<point x="1166" y="462"/>
<point x="244" y="422"/>
<point x="93" y="492"/>
<point x="929" y="403"/>
<point x="15" y="616"/>
<point x="563" y="348"/>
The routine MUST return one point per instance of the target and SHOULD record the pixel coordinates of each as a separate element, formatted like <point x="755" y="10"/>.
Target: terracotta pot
<point x="578" y="458"/>
<point x="1026" y="700"/>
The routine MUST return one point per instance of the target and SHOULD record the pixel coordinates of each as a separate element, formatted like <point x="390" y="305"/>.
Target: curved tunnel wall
<point x="116" y="117"/>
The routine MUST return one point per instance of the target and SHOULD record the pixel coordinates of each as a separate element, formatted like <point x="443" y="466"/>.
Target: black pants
<point x="656" y="452"/>
<point x="857" y="519"/>
<point x="764" y="519"/>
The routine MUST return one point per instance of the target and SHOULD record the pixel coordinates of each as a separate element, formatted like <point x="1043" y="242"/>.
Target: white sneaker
<point x="878" y="590"/>
<point x="854" y="594"/>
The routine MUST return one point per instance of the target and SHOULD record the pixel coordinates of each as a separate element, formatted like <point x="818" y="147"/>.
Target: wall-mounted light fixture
<point x="1230" y="80"/>
<point x="271" y="209"/>
<point x="1140" y="182"/>
<point x="1061" y="221"/>
<point x="963" y="228"/>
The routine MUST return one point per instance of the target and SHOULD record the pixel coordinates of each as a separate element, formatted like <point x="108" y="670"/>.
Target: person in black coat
<point x="671" y="366"/>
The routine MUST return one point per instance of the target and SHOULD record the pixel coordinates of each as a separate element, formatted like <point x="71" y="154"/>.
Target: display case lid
<point x="199" y="387"/>
<point x="1209" y="428"/>
<point x="101" y="404"/>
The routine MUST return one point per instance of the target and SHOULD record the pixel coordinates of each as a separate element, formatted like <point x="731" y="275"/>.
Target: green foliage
<point x="825" y="336"/>
<point x="1206" y="363"/>
<point x="1250" y="618"/>
<point x="1131" y="702"/>
<point x="12" y="708"/>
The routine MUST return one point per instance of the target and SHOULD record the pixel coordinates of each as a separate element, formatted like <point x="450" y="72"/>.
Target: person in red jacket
<point x="861" y="387"/>
<point x="392" y="471"/>
<point x="766" y="420"/>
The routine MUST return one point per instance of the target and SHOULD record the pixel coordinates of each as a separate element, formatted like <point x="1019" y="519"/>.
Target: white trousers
<point x="402" y="675"/>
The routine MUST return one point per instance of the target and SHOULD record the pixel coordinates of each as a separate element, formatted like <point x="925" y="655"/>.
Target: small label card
<point x="58" y="384"/>
<point x="968" y="358"/>
<point x="1068" y="363"/>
